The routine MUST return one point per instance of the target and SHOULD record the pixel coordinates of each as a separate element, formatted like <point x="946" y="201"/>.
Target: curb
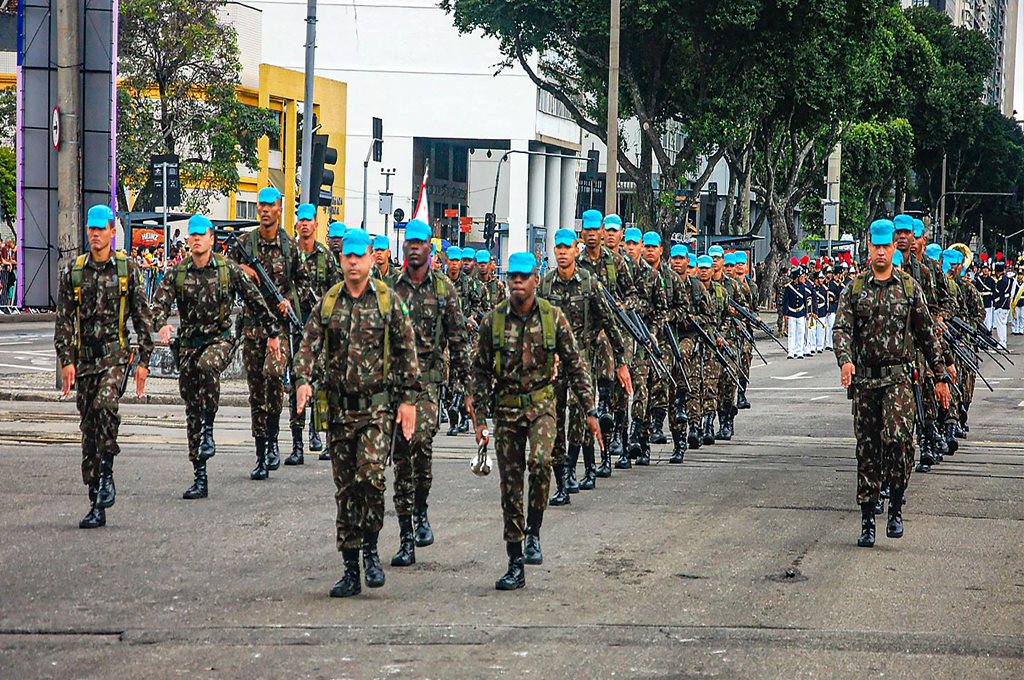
<point x="155" y="400"/>
<point x="49" y="317"/>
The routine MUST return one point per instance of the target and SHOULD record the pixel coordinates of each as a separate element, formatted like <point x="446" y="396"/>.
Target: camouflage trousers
<point x="510" y="442"/>
<point x="883" y="422"/>
<point x="359" y="443"/>
<point x="96" y="397"/>
<point x="746" y="357"/>
<point x="646" y="391"/>
<point x="690" y="348"/>
<point x="414" y="459"/>
<point x="199" y="386"/>
<point x="725" y="396"/>
<point x="966" y="384"/>
<point x="602" y="368"/>
<point x="570" y="420"/>
<point x="265" y="378"/>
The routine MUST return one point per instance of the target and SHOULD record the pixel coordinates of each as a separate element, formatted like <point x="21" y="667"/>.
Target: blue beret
<point x="716" y="251"/>
<point x="454" y="253"/>
<point x="652" y="238"/>
<point x="881" y="232"/>
<point x="564" y="237"/>
<point x="483" y="256"/>
<point x="592" y="219"/>
<point x="380" y="242"/>
<point x="704" y="262"/>
<point x="679" y="250"/>
<point x="521" y="263"/>
<point x="417" y="230"/>
<point x="268" y="195"/>
<point x="199" y="224"/>
<point x="632" y="235"/>
<point x="356" y="242"/>
<point x="903" y="223"/>
<point x="897" y="259"/>
<point x="99" y="217"/>
<point x="741" y="257"/>
<point x="306" y="211"/>
<point x="918" y="228"/>
<point x="933" y="251"/>
<point x="730" y="258"/>
<point x="613" y="222"/>
<point x="468" y="253"/>
<point x="952" y="256"/>
<point x="336" y="230"/>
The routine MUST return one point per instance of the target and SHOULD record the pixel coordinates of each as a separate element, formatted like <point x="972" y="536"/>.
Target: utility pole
<point x="611" y="182"/>
<point x="69" y="156"/>
<point x="942" y="206"/>
<point x="307" y="105"/>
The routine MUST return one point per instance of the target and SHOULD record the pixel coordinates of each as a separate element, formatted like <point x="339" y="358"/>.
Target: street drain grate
<point x="791" y="575"/>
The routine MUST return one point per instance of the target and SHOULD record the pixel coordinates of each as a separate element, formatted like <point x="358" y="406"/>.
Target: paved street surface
<point x="26" y="347"/>
<point x="739" y="563"/>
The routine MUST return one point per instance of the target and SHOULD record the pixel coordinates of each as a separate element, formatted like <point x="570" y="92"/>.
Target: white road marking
<point x="824" y="396"/>
<point x="31" y="368"/>
<point x="1020" y="405"/>
<point x="802" y="375"/>
<point x="11" y="344"/>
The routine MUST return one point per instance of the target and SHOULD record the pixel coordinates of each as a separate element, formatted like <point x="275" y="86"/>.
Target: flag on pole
<point x="422" y="211"/>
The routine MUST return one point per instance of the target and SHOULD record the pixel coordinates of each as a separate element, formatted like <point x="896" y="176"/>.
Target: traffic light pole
<point x="307" y="104"/>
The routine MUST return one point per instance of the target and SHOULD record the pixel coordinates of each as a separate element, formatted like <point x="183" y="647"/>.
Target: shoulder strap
<point x="547" y="327"/>
<point x="76" y="288"/>
<point x="498" y="335"/>
<point x="223" y="285"/>
<point x="180" y="272"/>
<point x="384" y="307"/>
<point x="611" y="273"/>
<point x="121" y="262"/>
<point x="858" y="284"/>
<point x="546" y="284"/>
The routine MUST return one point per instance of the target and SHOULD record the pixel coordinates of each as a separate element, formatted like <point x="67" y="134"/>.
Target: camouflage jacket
<point x="720" y="294"/>
<point x="692" y="306"/>
<point x="954" y="298"/>
<point x="204" y="309"/>
<point x="879" y="328"/>
<point x="271" y="255"/>
<point x="925" y="277"/>
<point x="974" y="305"/>
<point x="494" y="293"/>
<point x="313" y="274"/>
<point x="652" y="294"/>
<point x="390" y="278"/>
<point x="588" y="314"/>
<point x="526" y="366"/>
<point x="96" y="345"/>
<point x="609" y="266"/>
<point x="471" y="296"/>
<point x="437" y="324"/>
<point x="353" y="348"/>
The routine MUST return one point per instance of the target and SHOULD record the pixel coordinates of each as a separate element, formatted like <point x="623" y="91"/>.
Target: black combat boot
<point x="373" y="572"/>
<point x="938" y="441"/>
<point x="315" y="443"/>
<point x="106" y="494"/>
<point x="590" y="473"/>
<point x="463" y="419"/>
<point x="708" y="435"/>
<point x="207" y="447"/>
<point x="349" y="584"/>
<point x="273" y="450"/>
<point x="199" y="488"/>
<point x="951" y="442"/>
<point x="693" y="439"/>
<point x="532" y="551"/>
<point x="442" y="400"/>
<point x="867" y="525"/>
<point x="571" y="485"/>
<point x="631" y="451"/>
<point x="615" y="447"/>
<point x="927" y="457"/>
<point x="605" y="419"/>
<point x="561" y="496"/>
<point x="894" y="529"/>
<point x="678" y="446"/>
<point x="260" y="471"/>
<point x="680" y="408"/>
<point x="96" y="517"/>
<point x="406" y="554"/>
<point x="424" y="534"/>
<point x="963" y="420"/>
<point x="723" y="424"/>
<point x="453" y="421"/>
<point x="604" y="470"/>
<point x="515" y="577"/>
<point x="657" y="425"/>
<point x="741" y="395"/>
<point x="879" y="508"/>
<point x="644" y="458"/>
<point x="296" y="457"/>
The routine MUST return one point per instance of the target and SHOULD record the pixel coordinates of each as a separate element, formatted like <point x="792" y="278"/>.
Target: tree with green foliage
<point x="877" y="157"/>
<point x="179" y="70"/>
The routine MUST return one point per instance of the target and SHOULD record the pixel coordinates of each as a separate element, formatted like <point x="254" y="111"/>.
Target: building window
<point x="547" y="103"/>
<point x="440" y="166"/>
<point x="275" y="139"/>
<point x="460" y="164"/>
<point x="245" y="210"/>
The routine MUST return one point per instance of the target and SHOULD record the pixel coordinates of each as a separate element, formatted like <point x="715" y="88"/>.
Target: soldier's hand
<point x="141" y="373"/>
<point x="942" y="394"/>
<point x="951" y="369"/>
<point x="283" y="306"/>
<point x="481" y="434"/>
<point x="274" y="345"/>
<point x="624" y="378"/>
<point x="67" y="378"/>
<point x="595" y="429"/>
<point x="846" y="376"/>
<point x="165" y="333"/>
<point x="406" y="419"/>
<point x="250" y="272"/>
<point x="302" y="396"/>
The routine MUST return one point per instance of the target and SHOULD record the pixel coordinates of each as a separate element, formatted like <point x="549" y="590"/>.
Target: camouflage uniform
<point x="726" y="396"/>
<point x="494" y="293"/>
<point x="204" y="337"/>
<point x="358" y="345"/>
<point x="437" y="326"/>
<point x="524" y="398"/>
<point x="746" y="296"/>
<point x="692" y="308"/>
<point x="878" y="326"/>
<point x="713" y="373"/>
<point x="654" y="288"/>
<point x="934" y="291"/>
<point x="471" y="301"/>
<point x="390" y="278"/>
<point x="974" y="315"/>
<point x="91" y="334"/>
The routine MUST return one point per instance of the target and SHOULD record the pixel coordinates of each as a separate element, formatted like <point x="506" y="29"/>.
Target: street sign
<point x="156" y="175"/>
<point x="451" y="212"/>
<point x="384" y="207"/>
<point x="55" y="128"/>
<point x="465" y="224"/>
<point x="399" y="216"/>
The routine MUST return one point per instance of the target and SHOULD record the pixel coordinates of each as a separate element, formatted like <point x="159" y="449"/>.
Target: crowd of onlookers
<point x="150" y="260"/>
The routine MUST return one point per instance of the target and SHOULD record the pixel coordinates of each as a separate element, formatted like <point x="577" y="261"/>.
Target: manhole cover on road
<point x="791" y="575"/>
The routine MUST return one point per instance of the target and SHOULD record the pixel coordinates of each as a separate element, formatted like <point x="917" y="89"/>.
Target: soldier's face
<point x="704" y="274"/>
<point x="334" y="243"/>
<point x="200" y="244"/>
<point x="651" y="254"/>
<point x="381" y="256"/>
<point x="306" y="228"/>
<point x="903" y="239"/>
<point x="416" y="253"/>
<point x="521" y="287"/>
<point x="881" y="257"/>
<point x="592" y="238"/>
<point x="270" y="213"/>
<point x="454" y="266"/>
<point x="357" y="267"/>
<point x="468" y="267"/>
<point x="740" y="269"/>
<point x="612" y="238"/>
<point x="678" y="265"/>
<point x="730" y="270"/>
<point x="918" y="245"/>
<point x="717" y="264"/>
<point x="99" y="239"/>
<point x="564" y="255"/>
<point x="634" y="250"/>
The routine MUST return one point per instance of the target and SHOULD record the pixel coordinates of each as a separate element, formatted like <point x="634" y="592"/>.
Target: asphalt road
<point x="26" y="348"/>
<point x="739" y="563"/>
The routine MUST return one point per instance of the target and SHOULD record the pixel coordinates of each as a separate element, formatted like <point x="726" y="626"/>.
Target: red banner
<point x="144" y="237"/>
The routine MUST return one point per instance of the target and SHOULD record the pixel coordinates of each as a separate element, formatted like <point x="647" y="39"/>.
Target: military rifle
<point x="746" y="335"/>
<point x="984" y="340"/>
<point x="673" y="346"/>
<point x="643" y="338"/>
<point x="715" y="351"/>
<point x="756" y="322"/>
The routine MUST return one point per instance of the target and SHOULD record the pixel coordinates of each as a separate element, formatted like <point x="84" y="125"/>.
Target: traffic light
<point x="378" y="140"/>
<point x="319" y="175"/>
<point x="593" y="160"/>
<point x="298" y="137"/>
<point x="490" y="225"/>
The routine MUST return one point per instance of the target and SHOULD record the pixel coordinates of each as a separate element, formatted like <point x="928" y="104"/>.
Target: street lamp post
<point x="942" y="214"/>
